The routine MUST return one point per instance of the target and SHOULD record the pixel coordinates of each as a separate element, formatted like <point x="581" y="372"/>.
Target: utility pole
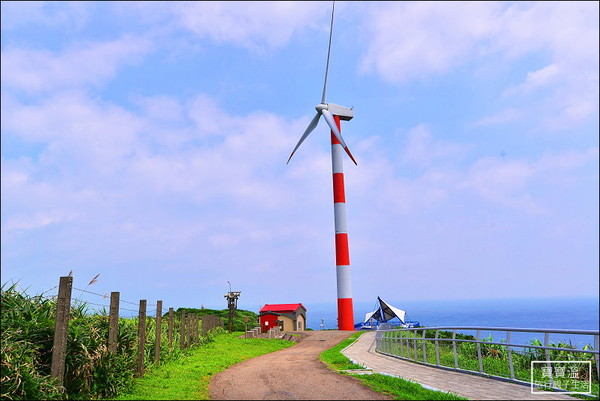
<point x="232" y="297"/>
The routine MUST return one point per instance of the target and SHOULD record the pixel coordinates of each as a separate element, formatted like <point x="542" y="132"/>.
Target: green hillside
<point x="238" y="318"/>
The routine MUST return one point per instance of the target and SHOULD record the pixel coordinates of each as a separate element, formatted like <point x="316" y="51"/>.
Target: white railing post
<point x="597" y="348"/>
<point x="509" y="354"/>
<point x="547" y="352"/>
<point x="414" y="334"/>
<point x="424" y="346"/>
<point x="437" y="347"/>
<point x="454" y="349"/>
<point x="479" y="351"/>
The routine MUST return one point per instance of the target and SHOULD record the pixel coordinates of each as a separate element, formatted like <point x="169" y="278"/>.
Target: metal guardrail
<point x="408" y="344"/>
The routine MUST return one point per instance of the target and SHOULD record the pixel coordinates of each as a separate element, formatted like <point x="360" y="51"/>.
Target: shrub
<point x="91" y="371"/>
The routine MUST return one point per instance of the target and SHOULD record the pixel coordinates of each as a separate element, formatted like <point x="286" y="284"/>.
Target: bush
<point x="91" y="371"/>
<point x="238" y="317"/>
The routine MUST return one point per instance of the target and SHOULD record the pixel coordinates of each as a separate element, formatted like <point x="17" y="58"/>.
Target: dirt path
<point x="295" y="373"/>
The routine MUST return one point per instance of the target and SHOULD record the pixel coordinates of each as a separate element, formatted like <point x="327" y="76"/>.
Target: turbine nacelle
<point x="342" y="112"/>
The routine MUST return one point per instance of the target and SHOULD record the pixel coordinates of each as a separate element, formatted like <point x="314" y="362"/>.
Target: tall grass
<point x="91" y="371"/>
<point x="27" y="325"/>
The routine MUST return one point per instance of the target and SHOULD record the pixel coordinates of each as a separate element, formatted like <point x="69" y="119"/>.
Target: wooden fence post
<point x="59" y="349"/>
<point x="195" y="328"/>
<point x="190" y="330"/>
<point x="191" y="326"/>
<point x="170" y="331"/>
<point x="182" y="332"/>
<point x="158" y="331"/>
<point x="113" y="322"/>
<point x="141" y="337"/>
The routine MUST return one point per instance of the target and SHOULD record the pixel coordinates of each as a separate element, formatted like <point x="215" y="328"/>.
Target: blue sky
<point x="147" y="142"/>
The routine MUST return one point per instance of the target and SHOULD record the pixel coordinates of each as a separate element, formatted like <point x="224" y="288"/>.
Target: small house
<point x="290" y="317"/>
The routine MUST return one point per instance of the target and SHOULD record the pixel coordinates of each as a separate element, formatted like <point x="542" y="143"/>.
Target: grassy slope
<point x="398" y="388"/>
<point x="188" y="378"/>
<point x="238" y="318"/>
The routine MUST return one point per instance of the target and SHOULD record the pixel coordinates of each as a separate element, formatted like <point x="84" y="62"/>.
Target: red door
<point x="268" y="321"/>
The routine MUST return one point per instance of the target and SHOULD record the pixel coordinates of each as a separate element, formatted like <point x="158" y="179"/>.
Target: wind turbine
<point x="333" y="114"/>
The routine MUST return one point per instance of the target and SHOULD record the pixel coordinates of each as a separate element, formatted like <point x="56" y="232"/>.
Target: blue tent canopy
<point x="383" y="314"/>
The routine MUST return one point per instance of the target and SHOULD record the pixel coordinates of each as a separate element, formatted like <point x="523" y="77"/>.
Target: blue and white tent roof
<point x="385" y="312"/>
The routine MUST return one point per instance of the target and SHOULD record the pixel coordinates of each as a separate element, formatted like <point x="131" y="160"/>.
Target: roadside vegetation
<point x="188" y="377"/>
<point x="396" y="387"/>
<point x="91" y="371"/>
<point x="238" y="323"/>
<point x="495" y="357"/>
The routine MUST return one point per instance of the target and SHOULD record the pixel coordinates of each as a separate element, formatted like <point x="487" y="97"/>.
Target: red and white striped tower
<point x="333" y="113"/>
<point x="342" y="253"/>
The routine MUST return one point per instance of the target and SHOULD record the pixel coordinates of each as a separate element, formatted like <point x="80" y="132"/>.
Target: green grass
<point x="188" y="378"/>
<point x="398" y="388"/>
<point x="334" y="358"/>
<point x="403" y="389"/>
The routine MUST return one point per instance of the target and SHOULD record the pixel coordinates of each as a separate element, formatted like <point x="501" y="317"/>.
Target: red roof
<point x="281" y="308"/>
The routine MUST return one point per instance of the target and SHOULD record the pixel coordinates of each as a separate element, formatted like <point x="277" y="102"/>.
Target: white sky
<point x="147" y="142"/>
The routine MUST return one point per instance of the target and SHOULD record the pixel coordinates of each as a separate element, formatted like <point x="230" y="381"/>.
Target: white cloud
<point x="573" y="74"/>
<point x="13" y="177"/>
<point x="249" y="24"/>
<point x="37" y="220"/>
<point x="502" y="182"/>
<point x="34" y="71"/>
<point x="161" y="108"/>
<point x="553" y="164"/>
<point x="536" y="79"/>
<point x="504" y="116"/>
<point x="422" y="149"/>
<point x="511" y="183"/>
<point x="435" y="174"/>
<point x="223" y="240"/>
<point x="52" y="13"/>
<point x="257" y="26"/>
<point x="208" y="117"/>
<point x="75" y="129"/>
<point x="98" y="148"/>
<point x="417" y="40"/>
<point x="566" y="29"/>
<point x="542" y="77"/>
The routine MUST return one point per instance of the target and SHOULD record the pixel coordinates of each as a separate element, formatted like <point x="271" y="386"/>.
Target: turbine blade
<point x="328" y="53"/>
<point x="331" y="122"/>
<point x="350" y="155"/>
<point x="311" y="126"/>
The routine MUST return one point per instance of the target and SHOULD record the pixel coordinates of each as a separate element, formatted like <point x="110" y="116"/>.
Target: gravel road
<point x="294" y="373"/>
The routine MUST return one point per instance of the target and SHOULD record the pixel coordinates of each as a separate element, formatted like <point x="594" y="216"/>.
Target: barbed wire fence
<point x="112" y="306"/>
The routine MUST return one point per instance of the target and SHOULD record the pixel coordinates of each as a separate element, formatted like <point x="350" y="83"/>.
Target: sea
<point x="535" y="313"/>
